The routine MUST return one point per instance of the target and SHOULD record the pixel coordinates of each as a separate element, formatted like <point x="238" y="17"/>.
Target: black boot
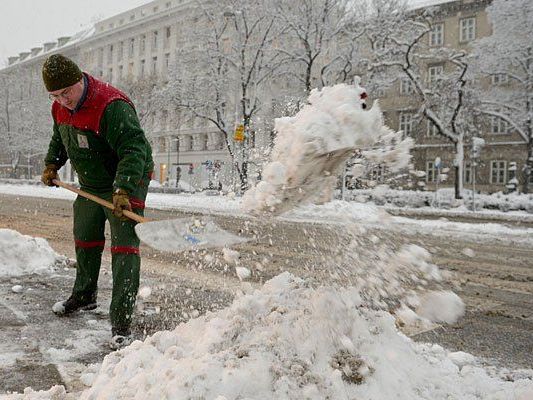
<point x="73" y="304"/>
<point x="122" y="337"/>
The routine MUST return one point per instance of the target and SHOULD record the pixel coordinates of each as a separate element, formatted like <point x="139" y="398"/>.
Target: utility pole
<point x="477" y="144"/>
<point x="178" y="168"/>
<point x="438" y="165"/>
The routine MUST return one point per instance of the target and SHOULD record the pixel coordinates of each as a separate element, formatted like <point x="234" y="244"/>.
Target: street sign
<point x="239" y="133"/>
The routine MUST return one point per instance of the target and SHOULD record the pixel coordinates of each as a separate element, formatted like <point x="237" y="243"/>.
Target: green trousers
<point x="89" y="225"/>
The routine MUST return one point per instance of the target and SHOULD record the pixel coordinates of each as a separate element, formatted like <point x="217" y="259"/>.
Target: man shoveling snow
<point x="96" y="127"/>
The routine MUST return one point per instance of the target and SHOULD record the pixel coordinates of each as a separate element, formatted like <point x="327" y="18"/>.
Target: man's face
<point x="69" y="96"/>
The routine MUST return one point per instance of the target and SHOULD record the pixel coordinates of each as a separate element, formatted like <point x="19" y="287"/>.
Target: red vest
<point x="88" y="117"/>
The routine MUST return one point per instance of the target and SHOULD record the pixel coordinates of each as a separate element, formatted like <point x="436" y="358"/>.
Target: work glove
<point x="49" y="174"/>
<point x="121" y="202"/>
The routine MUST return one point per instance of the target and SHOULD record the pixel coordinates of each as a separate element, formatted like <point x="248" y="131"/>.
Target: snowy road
<point x="495" y="280"/>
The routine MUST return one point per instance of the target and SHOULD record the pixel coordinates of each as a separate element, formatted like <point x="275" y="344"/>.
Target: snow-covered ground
<point x="291" y="340"/>
<point x="335" y="212"/>
<point x="443" y="199"/>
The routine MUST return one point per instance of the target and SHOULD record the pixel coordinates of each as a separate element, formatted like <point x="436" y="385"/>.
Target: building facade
<point x="457" y="24"/>
<point x="145" y="43"/>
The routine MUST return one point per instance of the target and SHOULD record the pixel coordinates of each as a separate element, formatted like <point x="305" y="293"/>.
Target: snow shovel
<point x="172" y="235"/>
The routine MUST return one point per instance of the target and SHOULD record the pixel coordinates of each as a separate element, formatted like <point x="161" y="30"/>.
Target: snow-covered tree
<point x="220" y="79"/>
<point x="319" y="40"/>
<point x="25" y="122"/>
<point x="506" y="58"/>
<point x="142" y="93"/>
<point x="438" y="76"/>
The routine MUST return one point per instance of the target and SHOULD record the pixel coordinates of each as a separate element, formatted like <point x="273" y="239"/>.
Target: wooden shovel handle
<point x="96" y="199"/>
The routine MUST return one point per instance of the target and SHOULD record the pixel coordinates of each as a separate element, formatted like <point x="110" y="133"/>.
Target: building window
<point x="168" y="4"/>
<point x="120" y="51"/>
<point x="406" y="86"/>
<point x="468" y="173"/>
<point x="132" y="17"/>
<point x="143" y="64"/>
<point x="498" y="172"/>
<point x="499" y="79"/>
<point x="162" y="144"/>
<point x="431" y="172"/>
<point x="131" y="47"/>
<point x="164" y="119"/>
<point x="154" y="66"/>
<point x="435" y="72"/>
<point x="167" y="62"/>
<point x="131" y="66"/>
<point x="110" y="54"/>
<point x="143" y="44"/>
<point x="168" y="33"/>
<point x="467" y="27"/>
<point x="436" y="36"/>
<point x="406" y="123"/>
<point x="498" y="126"/>
<point x="120" y="72"/>
<point x="156" y="9"/>
<point x="432" y="130"/>
<point x="100" y="57"/>
<point x="110" y="75"/>
<point x="154" y="40"/>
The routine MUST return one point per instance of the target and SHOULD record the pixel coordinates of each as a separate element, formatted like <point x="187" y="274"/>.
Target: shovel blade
<point x="182" y="234"/>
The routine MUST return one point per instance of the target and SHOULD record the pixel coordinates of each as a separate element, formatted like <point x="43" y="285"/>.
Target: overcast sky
<point x="30" y="23"/>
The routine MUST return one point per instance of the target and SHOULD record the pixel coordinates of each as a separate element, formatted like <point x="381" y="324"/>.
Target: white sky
<point x="30" y="23"/>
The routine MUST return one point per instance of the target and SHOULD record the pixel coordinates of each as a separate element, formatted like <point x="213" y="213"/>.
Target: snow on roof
<point x="76" y="38"/>
<point x="427" y="3"/>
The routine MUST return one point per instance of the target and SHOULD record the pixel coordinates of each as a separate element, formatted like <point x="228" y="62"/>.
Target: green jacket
<point x="103" y="140"/>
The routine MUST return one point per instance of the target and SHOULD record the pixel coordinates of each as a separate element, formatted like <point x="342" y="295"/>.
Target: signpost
<point x="239" y="133"/>
<point x="477" y="144"/>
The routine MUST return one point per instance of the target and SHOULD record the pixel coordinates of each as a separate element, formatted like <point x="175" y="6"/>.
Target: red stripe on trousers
<point x="88" y="245"/>
<point x="137" y="203"/>
<point x="124" y="250"/>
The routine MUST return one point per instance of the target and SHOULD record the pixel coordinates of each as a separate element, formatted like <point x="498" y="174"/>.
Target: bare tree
<point x="438" y="75"/>
<point x="220" y="80"/>
<point x="319" y="40"/>
<point x="506" y="58"/>
<point x="142" y="92"/>
<point x="25" y="120"/>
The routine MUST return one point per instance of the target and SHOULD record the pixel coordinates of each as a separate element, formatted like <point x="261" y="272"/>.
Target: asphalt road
<point x="496" y="285"/>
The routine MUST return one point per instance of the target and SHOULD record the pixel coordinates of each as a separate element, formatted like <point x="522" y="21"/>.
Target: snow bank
<point x="290" y="341"/>
<point x="444" y="198"/>
<point x="333" y="121"/>
<point x="21" y="254"/>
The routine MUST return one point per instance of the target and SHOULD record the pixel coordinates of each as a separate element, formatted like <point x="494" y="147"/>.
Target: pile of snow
<point x="290" y="341"/>
<point x="21" y="254"/>
<point x="333" y="122"/>
<point x="444" y="198"/>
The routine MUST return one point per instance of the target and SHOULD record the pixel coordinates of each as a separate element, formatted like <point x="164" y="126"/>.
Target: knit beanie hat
<point x="60" y="72"/>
